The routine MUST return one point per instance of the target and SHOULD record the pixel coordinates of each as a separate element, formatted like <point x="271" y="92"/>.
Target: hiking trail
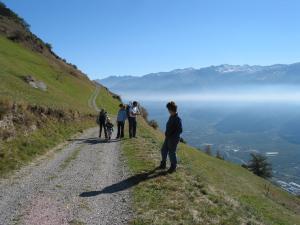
<point x="71" y="184"/>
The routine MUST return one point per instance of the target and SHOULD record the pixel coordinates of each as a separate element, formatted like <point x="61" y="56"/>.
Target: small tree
<point x="144" y="112"/>
<point x="49" y="46"/>
<point x="208" y="149"/>
<point x="153" y="124"/>
<point x="260" y="166"/>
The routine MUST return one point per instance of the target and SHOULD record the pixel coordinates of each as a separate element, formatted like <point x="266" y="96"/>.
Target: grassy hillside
<point x="204" y="190"/>
<point x="64" y="90"/>
<point x="34" y="120"/>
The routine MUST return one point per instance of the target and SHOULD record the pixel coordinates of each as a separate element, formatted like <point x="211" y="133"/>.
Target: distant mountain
<point x="192" y="79"/>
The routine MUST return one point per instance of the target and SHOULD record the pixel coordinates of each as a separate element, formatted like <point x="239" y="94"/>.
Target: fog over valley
<point x="235" y="109"/>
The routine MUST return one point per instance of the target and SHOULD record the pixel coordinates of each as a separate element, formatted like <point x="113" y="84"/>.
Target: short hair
<point x="135" y="103"/>
<point x="121" y="105"/>
<point x="171" y="106"/>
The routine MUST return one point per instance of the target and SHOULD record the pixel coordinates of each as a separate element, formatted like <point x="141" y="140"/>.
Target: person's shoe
<point x="172" y="169"/>
<point x="162" y="166"/>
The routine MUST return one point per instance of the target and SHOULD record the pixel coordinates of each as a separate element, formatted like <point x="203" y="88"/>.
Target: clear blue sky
<point x="136" y="37"/>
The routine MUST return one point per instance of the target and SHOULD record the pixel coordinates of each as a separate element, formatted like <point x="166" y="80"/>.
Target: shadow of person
<point x="94" y="141"/>
<point x="126" y="184"/>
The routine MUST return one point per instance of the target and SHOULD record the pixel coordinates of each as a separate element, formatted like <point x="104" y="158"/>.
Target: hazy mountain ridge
<point x="207" y="77"/>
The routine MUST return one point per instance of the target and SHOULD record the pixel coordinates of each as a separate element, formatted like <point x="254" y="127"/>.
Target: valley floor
<point x="79" y="183"/>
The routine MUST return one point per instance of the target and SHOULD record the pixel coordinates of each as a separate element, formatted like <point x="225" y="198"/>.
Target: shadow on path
<point x="94" y="141"/>
<point x="126" y="184"/>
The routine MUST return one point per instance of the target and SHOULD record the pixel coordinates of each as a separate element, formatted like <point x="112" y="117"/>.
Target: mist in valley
<point x="237" y="121"/>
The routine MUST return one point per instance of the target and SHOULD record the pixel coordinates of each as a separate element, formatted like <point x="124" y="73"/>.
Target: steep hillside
<point x="204" y="190"/>
<point x="43" y="100"/>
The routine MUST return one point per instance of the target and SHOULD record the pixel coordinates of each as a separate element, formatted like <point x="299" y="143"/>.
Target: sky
<point x="137" y="37"/>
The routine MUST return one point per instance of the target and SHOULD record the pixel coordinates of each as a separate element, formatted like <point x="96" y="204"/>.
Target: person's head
<point x="121" y="106"/>
<point x="172" y="107"/>
<point x="135" y="103"/>
<point x="102" y="110"/>
<point x="108" y="120"/>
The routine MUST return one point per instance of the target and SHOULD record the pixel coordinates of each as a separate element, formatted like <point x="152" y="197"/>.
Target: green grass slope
<point x="67" y="90"/>
<point x="204" y="190"/>
<point x="64" y="90"/>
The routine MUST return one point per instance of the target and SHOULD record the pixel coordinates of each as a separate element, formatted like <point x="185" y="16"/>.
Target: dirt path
<point x="69" y="186"/>
<point x="77" y="184"/>
<point x="92" y="100"/>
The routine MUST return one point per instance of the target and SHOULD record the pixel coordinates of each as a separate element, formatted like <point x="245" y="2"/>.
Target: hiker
<point x="172" y="137"/>
<point x="109" y="127"/>
<point x="133" y="112"/>
<point x="122" y="116"/>
<point x="102" y="122"/>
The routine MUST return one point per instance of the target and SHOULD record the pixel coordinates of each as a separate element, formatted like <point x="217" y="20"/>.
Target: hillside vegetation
<point x="33" y="120"/>
<point x="205" y="190"/>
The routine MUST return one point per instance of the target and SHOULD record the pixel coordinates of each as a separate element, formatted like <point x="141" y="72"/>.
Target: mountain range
<point x="191" y="79"/>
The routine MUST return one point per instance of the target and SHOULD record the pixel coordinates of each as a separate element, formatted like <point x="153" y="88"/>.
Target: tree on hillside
<point x="260" y="166"/>
<point x="153" y="124"/>
<point x="49" y="46"/>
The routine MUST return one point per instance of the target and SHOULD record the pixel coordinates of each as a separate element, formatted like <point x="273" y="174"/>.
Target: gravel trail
<point x="76" y="185"/>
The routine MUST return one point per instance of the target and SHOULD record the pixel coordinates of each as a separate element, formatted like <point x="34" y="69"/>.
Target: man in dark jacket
<point x="172" y="137"/>
<point x="102" y="122"/>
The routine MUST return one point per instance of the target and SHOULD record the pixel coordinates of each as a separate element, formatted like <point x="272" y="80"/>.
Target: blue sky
<point x="136" y="37"/>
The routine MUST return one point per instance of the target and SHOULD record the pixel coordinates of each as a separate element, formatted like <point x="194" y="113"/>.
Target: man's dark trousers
<point x="132" y="126"/>
<point x="169" y="148"/>
<point x="120" y="129"/>
<point x="102" y="125"/>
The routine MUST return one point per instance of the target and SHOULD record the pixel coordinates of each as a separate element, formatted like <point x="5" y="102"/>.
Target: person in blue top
<point x="122" y="116"/>
<point x="172" y="138"/>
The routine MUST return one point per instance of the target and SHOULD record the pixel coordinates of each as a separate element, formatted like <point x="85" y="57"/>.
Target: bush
<point x="144" y="113"/>
<point x="260" y="166"/>
<point x="182" y="140"/>
<point x="153" y="124"/>
<point x="16" y="35"/>
<point x="49" y="46"/>
<point x="117" y="97"/>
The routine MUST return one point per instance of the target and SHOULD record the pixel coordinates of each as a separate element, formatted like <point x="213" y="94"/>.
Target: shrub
<point x="144" y="113"/>
<point x="153" y="124"/>
<point x="16" y="35"/>
<point x="49" y="46"/>
<point x="182" y="140"/>
<point x="117" y="97"/>
<point x="260" y="166"/>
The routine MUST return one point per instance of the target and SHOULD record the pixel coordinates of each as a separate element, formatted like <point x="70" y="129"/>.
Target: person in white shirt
<point x="133" y="112"/>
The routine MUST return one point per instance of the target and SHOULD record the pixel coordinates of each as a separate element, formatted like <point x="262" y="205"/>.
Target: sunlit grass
<point x="204" y="190"/>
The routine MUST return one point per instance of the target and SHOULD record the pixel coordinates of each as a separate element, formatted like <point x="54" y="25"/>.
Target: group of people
<point x="130" y="112"/>
<point x="126" y="112"/>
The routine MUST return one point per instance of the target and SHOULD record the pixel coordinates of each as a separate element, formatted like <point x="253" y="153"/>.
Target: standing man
<point x="122" y="116"/>
<point x="102" y="122"/>
<point x="172" y="137"/>
<point x="133" y="112"/>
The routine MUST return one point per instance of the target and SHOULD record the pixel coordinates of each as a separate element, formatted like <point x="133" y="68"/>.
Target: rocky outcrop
<point x="35" y="83"/>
